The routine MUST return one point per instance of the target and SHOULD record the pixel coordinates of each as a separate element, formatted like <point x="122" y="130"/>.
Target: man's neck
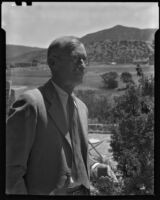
<point x="67" y="88"/>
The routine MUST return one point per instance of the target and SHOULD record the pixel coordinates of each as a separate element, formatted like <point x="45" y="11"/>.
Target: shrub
<point x="98" y="105"/>
<point x="126" y="77"/>
<point x="132" y="140"/>
<point x="112" y="84"/>
<point x="110" y="80"/>
<point x="147" y="86"/>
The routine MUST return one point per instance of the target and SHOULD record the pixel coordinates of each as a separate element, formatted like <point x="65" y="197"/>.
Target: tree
<point x="132" y="140"/>
<point x="139" y="70"/>
<point x="101" y="108"/>
<point x="110" y="80"/>
<point x="126" y="77"/>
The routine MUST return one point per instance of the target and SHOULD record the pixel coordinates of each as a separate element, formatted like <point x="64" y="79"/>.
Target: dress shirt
<point x="64" y="100"/>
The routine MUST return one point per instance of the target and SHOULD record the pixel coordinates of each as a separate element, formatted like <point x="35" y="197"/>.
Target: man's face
<point x="71" y="66"/>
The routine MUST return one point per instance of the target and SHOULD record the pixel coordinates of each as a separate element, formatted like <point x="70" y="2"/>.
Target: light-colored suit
<point x="38" y="145"/>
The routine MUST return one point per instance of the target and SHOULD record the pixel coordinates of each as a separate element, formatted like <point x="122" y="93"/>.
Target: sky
<point x="38" y="25"/>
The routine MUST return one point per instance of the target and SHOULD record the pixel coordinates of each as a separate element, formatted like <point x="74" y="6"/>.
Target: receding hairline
<point x="63" y="44"/>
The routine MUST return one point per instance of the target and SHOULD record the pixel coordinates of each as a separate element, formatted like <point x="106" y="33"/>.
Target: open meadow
<point x="31" y="77"/>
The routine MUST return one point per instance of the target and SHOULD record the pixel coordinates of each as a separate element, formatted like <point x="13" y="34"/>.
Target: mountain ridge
<point x="22" y="53"/>
<point x="120" y="32"/>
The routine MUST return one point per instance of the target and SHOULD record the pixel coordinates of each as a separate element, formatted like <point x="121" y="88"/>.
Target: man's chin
<point x="78" y="82"/>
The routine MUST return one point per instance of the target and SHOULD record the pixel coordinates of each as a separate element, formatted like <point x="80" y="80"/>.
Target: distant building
<point x="113" y="63"/>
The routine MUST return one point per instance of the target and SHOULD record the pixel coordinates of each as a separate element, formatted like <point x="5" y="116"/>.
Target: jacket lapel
<point x="83" y="120"/>
<point x="55" y="109"/>
<point x="83" y="123"/>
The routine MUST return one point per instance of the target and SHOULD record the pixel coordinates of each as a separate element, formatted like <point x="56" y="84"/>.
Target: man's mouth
<point x="79" y="71"/>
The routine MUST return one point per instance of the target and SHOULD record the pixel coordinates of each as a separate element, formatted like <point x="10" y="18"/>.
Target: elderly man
<point x="47" y="128"/>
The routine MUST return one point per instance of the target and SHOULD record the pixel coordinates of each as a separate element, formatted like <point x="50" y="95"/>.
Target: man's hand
<point x="99" y="170"/>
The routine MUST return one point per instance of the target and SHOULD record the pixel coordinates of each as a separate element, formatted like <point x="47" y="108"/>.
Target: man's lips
<point x="80" y="74"/>
<point x="79" y="71"/>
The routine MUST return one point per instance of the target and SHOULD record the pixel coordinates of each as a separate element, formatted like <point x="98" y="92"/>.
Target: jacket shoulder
<point x="31" y="96"/>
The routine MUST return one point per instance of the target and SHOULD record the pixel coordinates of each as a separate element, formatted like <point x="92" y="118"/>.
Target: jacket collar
<point x="55" y="109"/>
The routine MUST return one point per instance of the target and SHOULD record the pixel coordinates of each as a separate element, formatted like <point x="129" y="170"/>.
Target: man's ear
<point x="55" y="63"/>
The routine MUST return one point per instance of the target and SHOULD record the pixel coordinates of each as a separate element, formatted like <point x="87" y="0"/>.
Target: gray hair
<point x="59" y="46"/>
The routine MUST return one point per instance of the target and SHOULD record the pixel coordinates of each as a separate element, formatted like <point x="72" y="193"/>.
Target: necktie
<point x="78" y="169"/>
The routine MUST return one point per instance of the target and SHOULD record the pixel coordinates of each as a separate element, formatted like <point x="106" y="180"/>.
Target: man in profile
<point x="47" y="130"/>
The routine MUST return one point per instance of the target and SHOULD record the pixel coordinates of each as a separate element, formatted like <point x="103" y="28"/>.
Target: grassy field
<point x="33" y="77"/>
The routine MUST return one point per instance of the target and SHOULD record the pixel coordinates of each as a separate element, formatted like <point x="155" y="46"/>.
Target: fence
<point x="100" y="128"/>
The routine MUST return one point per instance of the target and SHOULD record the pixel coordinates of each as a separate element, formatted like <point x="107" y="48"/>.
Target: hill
<point x="121" y="52"/>
<point x="13" y="51"/>
<point x="118" y="44"/>
<point x="118" y="33"/>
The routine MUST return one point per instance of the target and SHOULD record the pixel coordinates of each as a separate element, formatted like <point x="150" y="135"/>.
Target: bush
<point x="147" y="86"/>
<point x="109" y="75"/>
<point x="126" y="77"/>
<point x="132" y="140"/>
<point x="112" y="84"/>
<point x="98" y="105"/>
<point x="110" y="80"/>
<point x="106" y="185"/>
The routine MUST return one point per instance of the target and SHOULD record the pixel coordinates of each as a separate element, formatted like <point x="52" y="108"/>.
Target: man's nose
<point x="82" y="64"/>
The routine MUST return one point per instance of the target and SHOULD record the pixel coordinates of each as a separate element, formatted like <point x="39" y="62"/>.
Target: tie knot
<point x="71" y="103"/>
<point x="70" y="110"/>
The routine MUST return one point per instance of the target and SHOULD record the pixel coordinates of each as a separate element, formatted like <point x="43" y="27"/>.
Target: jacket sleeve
<point x="20" y="133"/>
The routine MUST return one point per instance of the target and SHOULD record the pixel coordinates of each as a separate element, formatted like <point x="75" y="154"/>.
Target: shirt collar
<point x="62" y="94"/>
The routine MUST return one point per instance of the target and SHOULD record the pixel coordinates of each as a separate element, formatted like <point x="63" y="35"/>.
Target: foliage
<point x="98" y="105"/>
<point x="139" y="71"/>
<point x="121" y="52"/>
<point x="126" y="77"/>
<point x="110" y="80"/>
<point x="112" y="84"/>
<point x="109" y="75"/>
<point x="132" y="141"/>
<point x="147" y="86"/>
<point x="105" y="185"/>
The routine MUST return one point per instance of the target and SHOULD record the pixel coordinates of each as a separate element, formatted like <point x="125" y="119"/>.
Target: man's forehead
<point x="78" y="50"/>
<point x="67" y="46"/>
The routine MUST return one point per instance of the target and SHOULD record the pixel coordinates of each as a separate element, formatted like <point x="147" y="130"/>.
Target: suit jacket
<point x="38" y="145"/>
